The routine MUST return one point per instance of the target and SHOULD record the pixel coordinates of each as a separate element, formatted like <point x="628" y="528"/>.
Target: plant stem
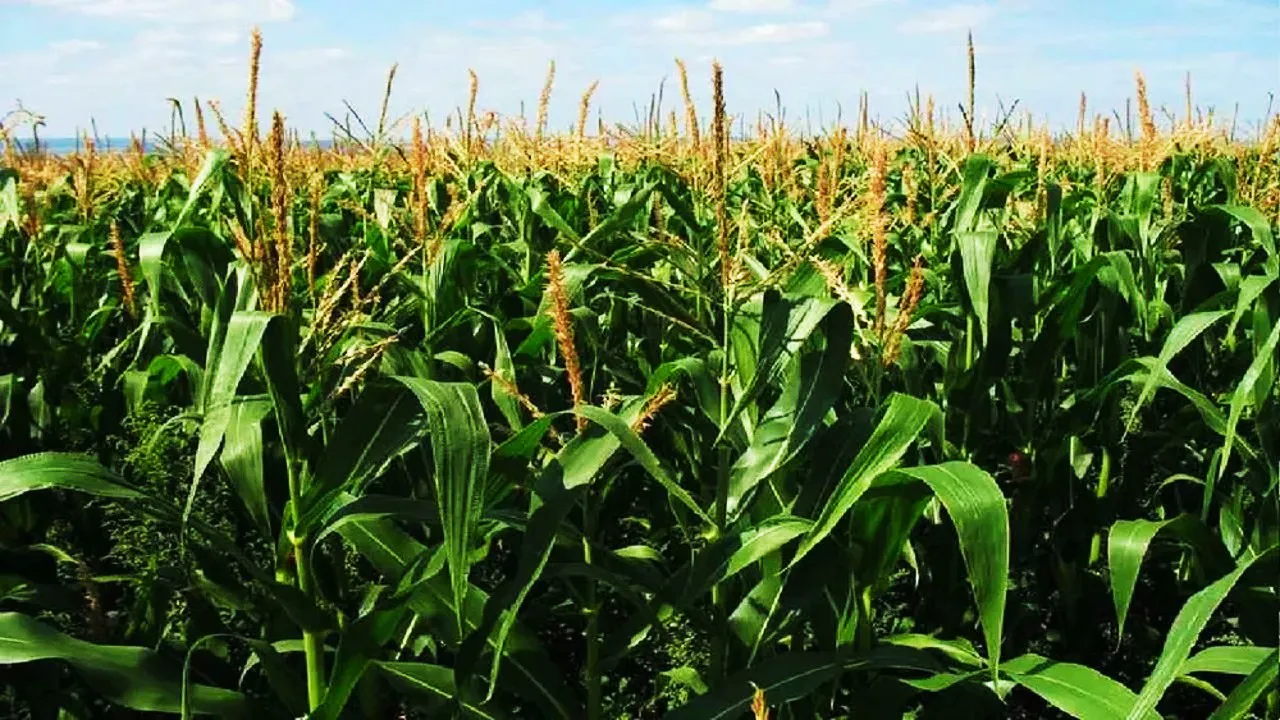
<point x="719" y="641"/>
<point x="312" y="640"/>
<point x="595" y="708"/>
<point x="1104" y="485"/>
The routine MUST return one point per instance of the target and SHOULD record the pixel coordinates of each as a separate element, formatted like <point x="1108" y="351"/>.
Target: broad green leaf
<point x="504" y="368"/>
<point x="350" y="509"/>
<point x="766" y="538"/>
<point x="1257" y="684"/>
<point x="791" y="676"/>
<point x="1079" y="691"/>
<point x="902" y="423"/>
<point x="792" y="421"/>
<point x="241" y="458"/>
<point x="977" y="509"/>
<point x="214" y="160"/>
<point x="529" y="671"/>
<point x="385" y="422"/>
<point x="361" y="642"/>
<point x="786" y="322"/>
<point x="1262" y="360"/>
<point x="1188" y="329"/>
<point x="1250" y="289"/>
<point x="433" y="681"/>
<point x="460" y="455"/>
<point x="243" y="338"/>
<point x="1227" y="659"/>
<point x="1127" y="544"/>
<point x="134" y="677"/>
<point x="977" y="250"/>
<point x="643" y="455"/>
<point x="64" y="471"/>
<point x="976" y="171"/>
<point x="1186" y="628"/>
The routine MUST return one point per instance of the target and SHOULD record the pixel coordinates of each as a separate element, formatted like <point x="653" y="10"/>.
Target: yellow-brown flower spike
<point x="418" y="166"/>
<point x="313" y="226"/>
<point x="584" y="107"/>
<point x="251" y="101"/>
<point x="969" y="119"/>
<point x="720" y="158"/>
<point x="660" y="399"/>
<point x="544" y="100"/>
<point x="562" y="322"/>
<point x="1146" y="146"/>
<point x="472" y="92"/>
<point x="906" y="308"/>
<point x="690" y="111"/>
<point x="202" y="134"/>
<point x="879" y="226"/>
<point x="127" y="289"/>
<point x="281" y="254"/>
<point x="759" y="705"/>
<point x="1080" y="116"/>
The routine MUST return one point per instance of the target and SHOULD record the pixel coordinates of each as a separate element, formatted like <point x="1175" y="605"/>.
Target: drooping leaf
<point x="460" y="454"/>
<point x="134" y="677"/>
<point x="1186" y="628"/>
<point x="1077" y="690"/>
<point x="66" y="471"/>
<point x="902" y="423"/>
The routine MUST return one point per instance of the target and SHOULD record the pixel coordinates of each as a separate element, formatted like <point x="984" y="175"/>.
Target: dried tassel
<point x="562" y="321"/>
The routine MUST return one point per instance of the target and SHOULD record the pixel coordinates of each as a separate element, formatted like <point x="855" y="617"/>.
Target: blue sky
<point x="116" y="61"/>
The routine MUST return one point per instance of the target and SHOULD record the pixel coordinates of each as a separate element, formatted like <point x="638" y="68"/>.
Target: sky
<point x="116" y="61"/>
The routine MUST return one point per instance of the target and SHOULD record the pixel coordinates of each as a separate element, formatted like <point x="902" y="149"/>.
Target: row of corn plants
<point x="923" y="421"/>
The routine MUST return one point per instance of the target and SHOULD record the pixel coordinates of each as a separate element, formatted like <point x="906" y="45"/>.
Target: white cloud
<point x="222" y="38"/>
<point x="683" y="21"/>
<point x="532" y="21"/>
<point x="753" y="6"/>
<point x="949" y="19"/>
<point x="75" y="46"/>
<point x="178" y="11"/>
<point x="777" y="33"/>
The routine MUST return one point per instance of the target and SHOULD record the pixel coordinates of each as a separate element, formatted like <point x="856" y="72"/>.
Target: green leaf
<point x="792" y="421"/>
<point x="1227" y="659"/>
<point x="791" y="676"/>
<point x="643" y="455"/>
<point x="786" y="322"/>
<point x="1262" y="360"/>
<point x="1188" y="329"/>
<point x="977" y="508"/>
<point x="134" y="677"/>
<point x="241" y="458"/>
<point x="530" y="672"/>
<point x="64" y="471"/>
<point x="460" y="455"/>
<point x="244" y="336"/>
<point x="1186" y="628"/>
<point x="1079" y="691"/>
<point x="897" y="430"/>
<point x="435" y="682"/>
<point x="385" y="422"/>
<point x="977" y="251"/>
<point x="1127" y="544"/>
<point x="1258" y="683"/>
<point x="508" y="403"/>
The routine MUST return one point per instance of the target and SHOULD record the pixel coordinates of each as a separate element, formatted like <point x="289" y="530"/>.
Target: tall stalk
<point x="719" y="642"/>
<point x="312" y="640"/>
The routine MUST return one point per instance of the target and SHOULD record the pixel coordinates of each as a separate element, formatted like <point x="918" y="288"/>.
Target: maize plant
<point x="644" y="422"/>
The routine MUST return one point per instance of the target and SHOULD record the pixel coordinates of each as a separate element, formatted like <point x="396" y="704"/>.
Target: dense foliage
<point x="643" y="423"/>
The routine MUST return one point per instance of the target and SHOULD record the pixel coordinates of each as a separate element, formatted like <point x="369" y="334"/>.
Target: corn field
<point x="920" y="419"/>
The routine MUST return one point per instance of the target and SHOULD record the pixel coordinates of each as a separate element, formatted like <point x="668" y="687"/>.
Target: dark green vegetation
<point x="450" y="433"/>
